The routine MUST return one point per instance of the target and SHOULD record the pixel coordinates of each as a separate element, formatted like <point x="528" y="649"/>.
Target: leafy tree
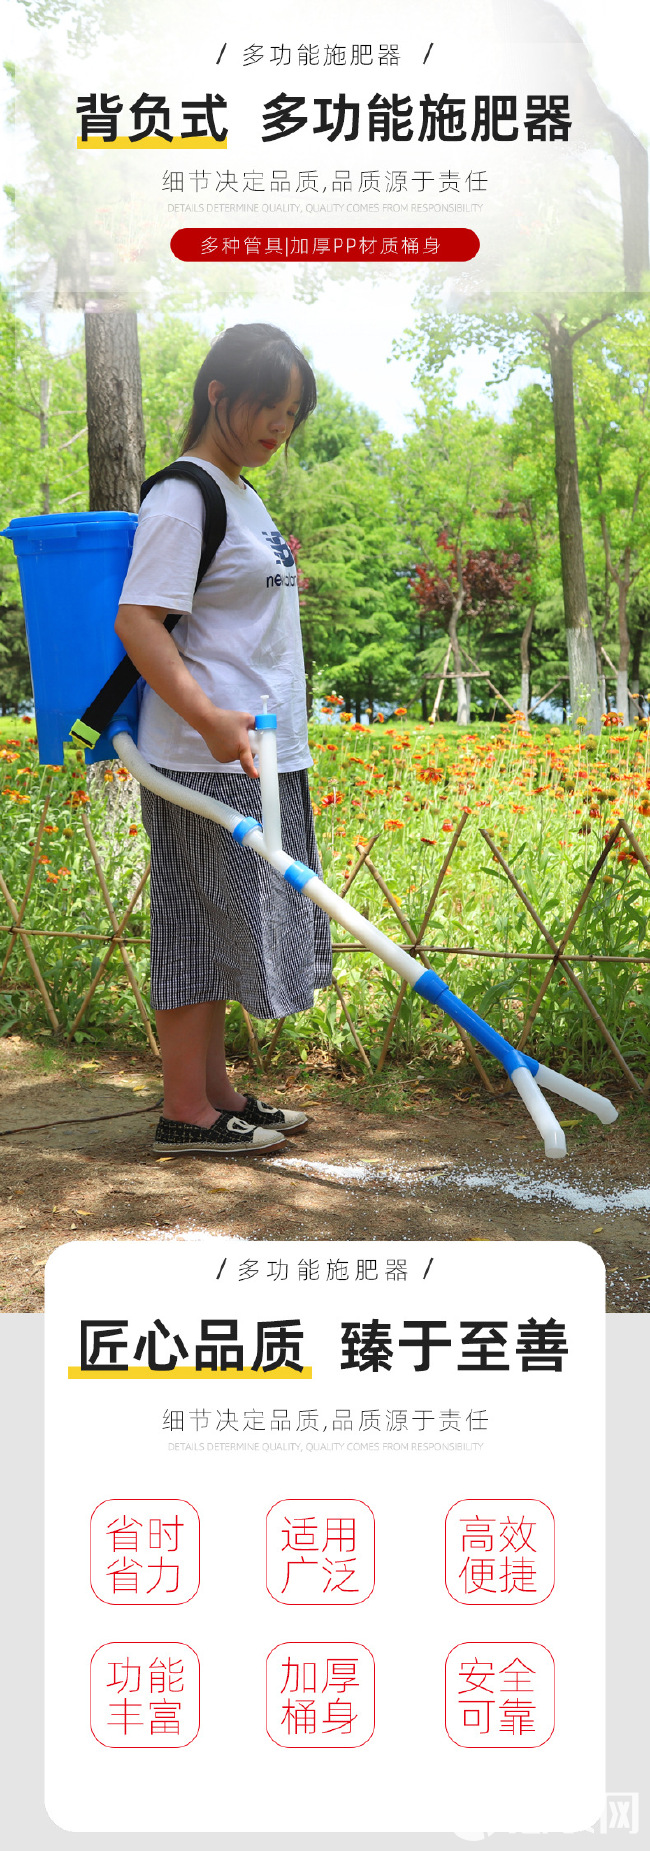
<point x="543" y="23"/>
<point x="89" y="18"/>
<point x="547" y="339"/>
<point x="480" y="583"/>
<point x="444" y="478"/>
<point x="15" y="676"/>
<point x="533" y="302"/>
<point x="613" y="399"/>
<point x="337" y="427"/>
<point x="171" y="350"/>
<point x="355" y="607"/>
<point x="528" y="521"/>
<point x="43" y="467"/>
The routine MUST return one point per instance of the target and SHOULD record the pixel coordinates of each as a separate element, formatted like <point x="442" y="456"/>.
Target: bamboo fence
<point x="556" y="957"/>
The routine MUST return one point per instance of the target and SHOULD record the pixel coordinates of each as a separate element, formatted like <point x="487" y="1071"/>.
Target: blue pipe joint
<point x="434" y="990"/>
<point x="127" y="717"/>
<point x="266" y="722"/>
<point x="124" y="721"/>
<point x="298" y="875"/>
<point x="243" y="828"/>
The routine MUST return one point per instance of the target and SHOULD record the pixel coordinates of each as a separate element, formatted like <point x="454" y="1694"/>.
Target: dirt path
<point x="435" y="1168"/>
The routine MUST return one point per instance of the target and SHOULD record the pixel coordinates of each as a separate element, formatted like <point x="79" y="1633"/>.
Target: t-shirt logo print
<point x="282" y="552"/>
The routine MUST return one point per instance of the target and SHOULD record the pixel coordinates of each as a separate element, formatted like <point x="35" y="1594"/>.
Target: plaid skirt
<point x="224" y="928"/>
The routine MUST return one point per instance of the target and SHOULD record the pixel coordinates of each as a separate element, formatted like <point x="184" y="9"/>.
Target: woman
<point x="223" y="927"/>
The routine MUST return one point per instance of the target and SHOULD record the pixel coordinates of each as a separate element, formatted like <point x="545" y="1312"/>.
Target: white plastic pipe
<point x="540" y="1112"/>
<point x="180" y="794"/>
<point x="578" y="1095"/>
<point x="267" y="759"/>
<point x="405" y="966"/>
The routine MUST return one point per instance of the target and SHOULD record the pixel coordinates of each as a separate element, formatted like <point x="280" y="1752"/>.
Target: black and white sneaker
<point x="231" y="1135"/>
<point x="255" y="1112"/>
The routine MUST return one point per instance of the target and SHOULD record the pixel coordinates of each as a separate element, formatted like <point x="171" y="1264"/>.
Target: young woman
<point x="223" y="927"/>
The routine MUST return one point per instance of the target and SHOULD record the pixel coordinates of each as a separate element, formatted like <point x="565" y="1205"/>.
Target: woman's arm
<point x="141" y="628"/>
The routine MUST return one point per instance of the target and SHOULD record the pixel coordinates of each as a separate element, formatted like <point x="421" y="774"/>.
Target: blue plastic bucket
<point x="72" y="569"/>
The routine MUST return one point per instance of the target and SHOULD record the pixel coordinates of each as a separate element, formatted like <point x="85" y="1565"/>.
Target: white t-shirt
<point x="240" y="633"/>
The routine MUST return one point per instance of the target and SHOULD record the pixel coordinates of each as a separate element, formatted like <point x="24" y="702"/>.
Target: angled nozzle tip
<point x="555" y="1142"/>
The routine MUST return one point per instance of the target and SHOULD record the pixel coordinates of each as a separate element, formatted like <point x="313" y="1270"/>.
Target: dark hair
<point x="253" y="361"/>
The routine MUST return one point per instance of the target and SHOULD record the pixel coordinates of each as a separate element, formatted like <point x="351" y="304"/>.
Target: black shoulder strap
<point x="97" y="716"/>
<point x="214" y="527"/>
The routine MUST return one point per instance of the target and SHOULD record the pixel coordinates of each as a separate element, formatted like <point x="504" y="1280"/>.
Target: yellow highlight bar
<point x="206" y="142"/>
<point x="136" y="1374"/>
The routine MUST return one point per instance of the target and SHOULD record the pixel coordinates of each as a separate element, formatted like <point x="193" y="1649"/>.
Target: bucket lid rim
<point x="112" y="516"/>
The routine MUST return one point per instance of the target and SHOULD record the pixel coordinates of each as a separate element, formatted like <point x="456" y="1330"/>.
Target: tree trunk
<point x="116" y="439"/>
<point x="441" y="687"/>
<point x="462" y="695"/>
<point x="598" y="643"/>
<point x="44" y="396"/>
<point x="622" y="697"/>
<point x="462" y="702"/>
<point x="636" y="703"/>
<point x="632" y="159"/>
<point x="544" y="22"/>
<point x="524" y="642"/>
<point x="636" y="650"/>
<point x="309" y="667"/>
<point x="462" y="692"/>
<point x="581" y="651"/>
<point x="424" y="698"/>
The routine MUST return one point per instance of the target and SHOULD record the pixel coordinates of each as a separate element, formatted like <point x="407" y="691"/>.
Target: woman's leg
<point x="184" y="1036"/>
<point x="192" y="1044"/>
<point x="219" y="1087"/>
